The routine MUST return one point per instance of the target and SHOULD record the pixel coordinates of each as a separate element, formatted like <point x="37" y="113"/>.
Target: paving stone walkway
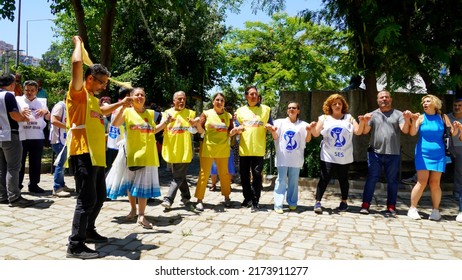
<point x="219" y="233"/>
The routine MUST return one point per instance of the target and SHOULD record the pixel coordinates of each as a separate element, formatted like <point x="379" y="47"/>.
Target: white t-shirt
<point x="58" y="135"/>
<point x="115" y="134"/>
<point x="33" y="129"/>
<point x="290" y="145"/>
<point x="337" y="144"/>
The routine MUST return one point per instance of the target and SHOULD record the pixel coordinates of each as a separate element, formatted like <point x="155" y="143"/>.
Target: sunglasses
<point x="292" y="108"/>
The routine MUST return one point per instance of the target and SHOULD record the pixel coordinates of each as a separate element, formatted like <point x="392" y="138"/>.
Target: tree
<point x="285" y="54"/>
<point x="50" y="59"/>
<point x="398" y="38"/>
<point x="103" y="16"/>
<point x="163" y="46"/>
<point x="7" y="9"/>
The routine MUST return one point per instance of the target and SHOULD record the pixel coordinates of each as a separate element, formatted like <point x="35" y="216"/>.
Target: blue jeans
<point x="287" y="178"/>
<point x="58" y="176"/>
<point x="390" y="163"/>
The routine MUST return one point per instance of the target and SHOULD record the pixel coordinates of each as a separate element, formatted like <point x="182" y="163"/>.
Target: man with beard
<point x="86" y="149"/>
<point x="384" y="150"/>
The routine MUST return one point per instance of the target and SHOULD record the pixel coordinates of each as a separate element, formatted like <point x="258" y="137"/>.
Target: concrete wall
<point x="311" y="107"/>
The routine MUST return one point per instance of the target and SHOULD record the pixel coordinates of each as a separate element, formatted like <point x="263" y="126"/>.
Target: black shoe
<point x="4" y="201"/>
<point x="22" y="202"/>
<point x="255" y="208"/>
<point x="94" y="237"/>
<point x="36" y="189"/>
<point x="81" y="252"/>
<point x="246" y="203"/>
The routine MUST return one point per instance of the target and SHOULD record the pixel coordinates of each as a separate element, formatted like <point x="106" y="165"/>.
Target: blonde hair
<point x="437" y="103"/>
<point x="327" y="106"/>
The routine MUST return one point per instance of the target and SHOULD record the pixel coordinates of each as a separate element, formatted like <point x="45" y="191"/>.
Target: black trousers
<point x="91" y="186"/>
<point x="34" y="149"/>
<point x="254" y="165"/>
<point x="327" y="169"/>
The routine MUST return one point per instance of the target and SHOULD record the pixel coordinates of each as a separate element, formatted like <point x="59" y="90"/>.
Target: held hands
<point x="457" y="125"/>
<point x="169" y="119"/>
<point x="407" y="115"/>
<point x="361" y="118"/>
<point x="127" y="102"/>
<point x="367" y="117"/>
<point x="194" y="122"/>
<point x="237" y="130"/>
<point x="415" y="116"/>
<point x="312" y="125"/>
<point x="270" y="128"/>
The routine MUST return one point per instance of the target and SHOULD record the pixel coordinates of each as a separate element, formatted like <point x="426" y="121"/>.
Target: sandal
<point x="145" y="225"/>
<point x="127" y="219"/>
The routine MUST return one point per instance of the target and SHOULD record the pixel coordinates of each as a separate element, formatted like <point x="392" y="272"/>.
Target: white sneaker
<point x="459" y="217"/>
<point x="413" y="214"/>
<point x="167" y="204"/>
<point x="61" y="193"/>
<point x="435" y="215"/>
<point x="200" y="206"/>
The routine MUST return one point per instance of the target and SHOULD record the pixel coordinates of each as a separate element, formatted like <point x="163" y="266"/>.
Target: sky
<point x="36" y="34"/>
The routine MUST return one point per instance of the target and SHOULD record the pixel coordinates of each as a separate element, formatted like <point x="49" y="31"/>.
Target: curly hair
<point x="437" y="103"/>
<point x="326" y="107"/>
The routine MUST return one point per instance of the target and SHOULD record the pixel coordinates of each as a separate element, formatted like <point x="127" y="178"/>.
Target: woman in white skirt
<point x="140" y="179"/>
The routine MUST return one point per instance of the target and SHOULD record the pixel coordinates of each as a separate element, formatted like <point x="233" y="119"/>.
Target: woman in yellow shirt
<point x="141" y="179"/>
<point x="217" y="126"/>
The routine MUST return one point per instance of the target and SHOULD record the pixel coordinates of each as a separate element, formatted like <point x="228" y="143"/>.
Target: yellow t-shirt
<point x="253" y="139"/>
<point x="141" y="143"/>
<point x="84" y="113"/>
<point x="216" y="140"/>
<point x="177" y="143"/>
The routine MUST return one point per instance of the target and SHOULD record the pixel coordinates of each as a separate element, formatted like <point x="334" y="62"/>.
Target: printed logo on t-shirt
<point x="219" y="127"/>
<point x="336" y="134"/>
<point x="291" y="144"/>
<point x="114" y="132"/>
<point x="94" y="114"/>
<point x="143" y="128"/>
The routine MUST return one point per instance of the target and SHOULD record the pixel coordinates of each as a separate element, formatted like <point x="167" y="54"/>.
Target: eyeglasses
<point x="292" y="108"/>
<point x="101" y="82"/>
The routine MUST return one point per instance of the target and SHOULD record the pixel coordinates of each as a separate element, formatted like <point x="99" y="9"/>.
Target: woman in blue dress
<point x="430" y="158"/>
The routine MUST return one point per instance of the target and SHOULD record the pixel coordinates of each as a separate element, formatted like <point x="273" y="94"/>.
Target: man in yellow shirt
<point x="252" y="120"/>
<point x="87" y="152"/>
<point x="177" y="147"/>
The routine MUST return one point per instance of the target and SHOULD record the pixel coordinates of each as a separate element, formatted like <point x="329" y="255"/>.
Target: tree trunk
<point x="107" y="26"/>
<point x="365" y="52"/>
<point x="82" y="28"/>
<point x="370" y="80"/>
